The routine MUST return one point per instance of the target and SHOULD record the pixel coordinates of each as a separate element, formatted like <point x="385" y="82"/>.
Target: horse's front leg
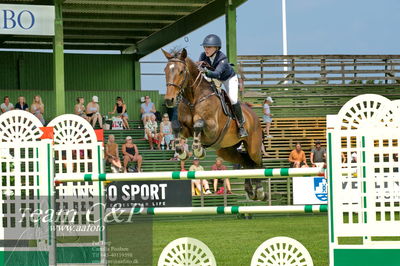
<point x="198" y="149"/>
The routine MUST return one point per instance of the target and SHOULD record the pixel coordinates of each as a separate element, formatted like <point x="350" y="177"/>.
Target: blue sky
<point x="313" y="27"/>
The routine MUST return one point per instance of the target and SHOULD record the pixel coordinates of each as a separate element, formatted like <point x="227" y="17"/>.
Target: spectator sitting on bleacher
<point x="318" y="155"/>
<point x="267" y="116"/>
<point x="218" y="166"/>
<point x="112" y="155"/>
<point x="185" y="147"/>
<point x="197" y="184"/>
<point x="93" y="112"/>
<point x="37" y="108"/>
<point x="131" y="154"/>
<point x="120" y="108"/>
<point x="6" y="105"/>
<point x="151" y="132"/>
<point x="79" y="108"/>
<point x="297" y="157"/>
<point x="166" y="136"/>
<point x="147" y="109"/>
<point x="21" y="104"/>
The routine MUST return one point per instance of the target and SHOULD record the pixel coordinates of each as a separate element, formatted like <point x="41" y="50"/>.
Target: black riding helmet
<point x="212" y="40"/>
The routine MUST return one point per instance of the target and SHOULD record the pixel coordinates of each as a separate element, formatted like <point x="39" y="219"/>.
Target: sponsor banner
<point x="27" y="20"/>
<point x="310" y="190"/>
<point x="131" y="194"/>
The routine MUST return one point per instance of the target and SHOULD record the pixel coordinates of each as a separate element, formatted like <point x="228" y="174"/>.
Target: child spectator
<point x="166" y="136"/>
<point x="112" y="155"/>
<point x="151" y="132"/>
<point x="147" y="109"/>
<point x="21" y="104"/>
<point x="79" y="108"/>
<point x="185" y="147"/>
<point x="131" y="154"/>
<point x="267" y="117"/>
<point x="218" y="166"/>
<point x="297" y="157"/>
<point x="198" y="183"/>
<point x="318" y="155"/>
<point x="120" y="108"/>
<point x="6" y="105"/>
<point x="93" y="112"/>
<point x="37" y="108"/>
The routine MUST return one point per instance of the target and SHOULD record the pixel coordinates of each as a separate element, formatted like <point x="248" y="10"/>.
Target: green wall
<point x="94" y="72"/>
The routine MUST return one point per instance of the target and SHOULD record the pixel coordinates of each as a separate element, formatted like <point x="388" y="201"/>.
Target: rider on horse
<point x="217" y="67"/>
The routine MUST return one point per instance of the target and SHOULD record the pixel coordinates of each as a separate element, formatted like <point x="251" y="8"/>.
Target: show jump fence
<point x="364" y="194"/>
<point x="156" y="176"/>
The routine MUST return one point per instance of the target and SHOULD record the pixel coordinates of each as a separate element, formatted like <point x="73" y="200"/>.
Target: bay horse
<point x="200" y="114"/>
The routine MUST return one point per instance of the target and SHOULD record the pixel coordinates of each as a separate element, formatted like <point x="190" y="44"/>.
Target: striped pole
<point x="154" y="176"/>
<point x="222" y="210"/>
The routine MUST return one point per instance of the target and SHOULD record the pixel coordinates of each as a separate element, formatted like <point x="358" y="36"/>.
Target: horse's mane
<point x="175" y="52"/>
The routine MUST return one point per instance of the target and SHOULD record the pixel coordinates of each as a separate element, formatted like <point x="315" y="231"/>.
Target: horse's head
<point x="176" y="75"/>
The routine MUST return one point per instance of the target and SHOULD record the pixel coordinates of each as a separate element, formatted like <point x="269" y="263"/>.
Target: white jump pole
<point x="155" y="176"/>
<point x="221" y="210"/>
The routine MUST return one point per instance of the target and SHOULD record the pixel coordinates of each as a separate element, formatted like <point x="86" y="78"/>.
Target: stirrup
<point x="243" y="132"/>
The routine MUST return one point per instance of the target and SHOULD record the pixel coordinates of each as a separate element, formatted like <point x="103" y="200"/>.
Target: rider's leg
<point x="232" y="87"/>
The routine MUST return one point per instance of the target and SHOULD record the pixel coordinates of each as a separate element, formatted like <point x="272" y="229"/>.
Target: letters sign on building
<point x="27" y="20"/>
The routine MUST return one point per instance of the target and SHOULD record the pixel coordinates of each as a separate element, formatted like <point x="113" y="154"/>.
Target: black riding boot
<point x="237" y="109"/>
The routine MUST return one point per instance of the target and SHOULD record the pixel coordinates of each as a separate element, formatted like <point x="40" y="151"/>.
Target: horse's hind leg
<point x="254" y="154"/>
<point x="232" y="155"/>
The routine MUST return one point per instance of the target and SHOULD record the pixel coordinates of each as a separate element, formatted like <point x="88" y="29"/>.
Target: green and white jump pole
<point x="223" y="210"/>
<point x="155" y="176"/>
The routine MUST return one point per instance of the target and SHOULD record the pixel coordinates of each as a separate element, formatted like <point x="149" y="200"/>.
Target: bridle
<point x="184" y="84"/>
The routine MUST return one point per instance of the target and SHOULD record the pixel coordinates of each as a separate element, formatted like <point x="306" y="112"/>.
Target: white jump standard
<point x="177" y="175"/>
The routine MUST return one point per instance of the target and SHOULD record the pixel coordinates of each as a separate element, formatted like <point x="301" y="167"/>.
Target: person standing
<point x="267" y="116"/>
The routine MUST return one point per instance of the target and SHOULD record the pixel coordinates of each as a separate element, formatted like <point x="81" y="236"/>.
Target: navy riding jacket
<point x="223" y="70"/>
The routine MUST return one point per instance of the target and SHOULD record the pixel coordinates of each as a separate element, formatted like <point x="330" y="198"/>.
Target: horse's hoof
<point x="183" y="156"/>
<point x="251" y="195"/>
<point x="261" y="195"/>
<point x="199" y="153"/>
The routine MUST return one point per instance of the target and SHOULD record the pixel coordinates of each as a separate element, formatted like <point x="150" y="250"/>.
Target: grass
<point x="232" y="241"/>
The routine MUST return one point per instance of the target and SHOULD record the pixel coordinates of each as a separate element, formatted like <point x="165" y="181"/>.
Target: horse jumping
<point x="201" y="115"/>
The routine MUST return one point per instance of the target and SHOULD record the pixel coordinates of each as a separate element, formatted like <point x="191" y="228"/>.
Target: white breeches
<point x="232" y="88"/>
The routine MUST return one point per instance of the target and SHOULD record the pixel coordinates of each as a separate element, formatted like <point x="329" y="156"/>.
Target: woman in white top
<point x="37" y="108"/>
<point x="93" y="112"/>
<point x="147" y="109"/>
<point x="267" y="117"/>
<point x="166" y="135"/>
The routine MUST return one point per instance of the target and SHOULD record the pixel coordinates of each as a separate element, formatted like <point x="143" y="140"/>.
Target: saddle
<point x="225" y="101"/>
